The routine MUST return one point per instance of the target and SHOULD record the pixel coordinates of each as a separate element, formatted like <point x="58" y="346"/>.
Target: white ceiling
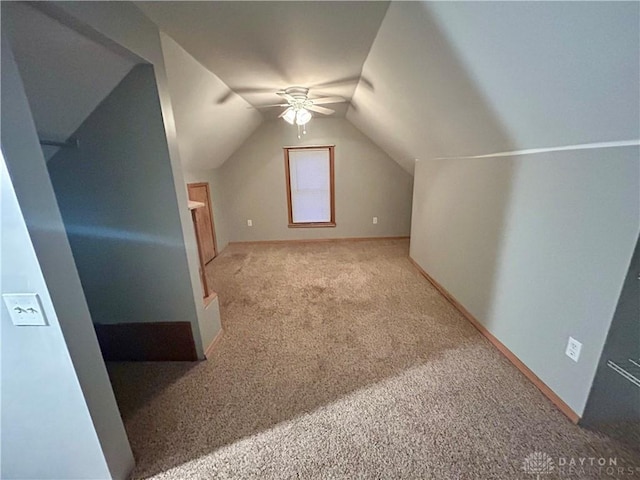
<point x="269" y="46"/>
<point x="65" y="74"/>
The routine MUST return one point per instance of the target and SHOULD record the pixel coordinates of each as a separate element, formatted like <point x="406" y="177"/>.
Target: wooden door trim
<point x="209" y="203"/>
<point x="203" y="276"/>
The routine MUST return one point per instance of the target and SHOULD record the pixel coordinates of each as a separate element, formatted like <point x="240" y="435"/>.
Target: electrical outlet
<point x="573" y="349"/>
<point x="24" y="309"/>
<point x="249" y="223"/>
<point x="375" y="220"/>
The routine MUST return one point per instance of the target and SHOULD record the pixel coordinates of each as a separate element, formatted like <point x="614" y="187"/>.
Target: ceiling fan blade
<point x="251" y="90"/>
<point x="284" y="113"/>
<point x="273" y="105"/>
<point x="323" y="100"/>
<point x="286" y="96"/>
<point x="240" y="91"/>
<point x="323" y="110"/>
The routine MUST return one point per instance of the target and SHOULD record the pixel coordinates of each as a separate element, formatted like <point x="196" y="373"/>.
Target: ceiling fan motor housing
<point x="300" y="97"/>
<point x="299" y="103"/>
<point x="299" y="93"/>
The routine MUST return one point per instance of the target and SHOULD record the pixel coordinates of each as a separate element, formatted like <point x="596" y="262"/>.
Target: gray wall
<point x="59" y="415"/>
<point x="48" y="54"/>
<point x="216" y="183"/>
<point x="614" y="399"/>
<point x="36" y="367"/>
<point x="367" y="182"/>
<point x="536" y="247"/>
<point x="122" y="26"/>
<point x="211" y="121"/>
<point x="471" y="78"/>
<point x="116" y="196"/>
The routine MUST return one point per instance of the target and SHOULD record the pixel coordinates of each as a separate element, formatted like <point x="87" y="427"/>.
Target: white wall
<point x="367" y="183"/>
<point x="59" y="415"/>
<point x="535" y="246"/>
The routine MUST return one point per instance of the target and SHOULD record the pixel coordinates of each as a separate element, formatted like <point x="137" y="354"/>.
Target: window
<point x="310" y="186"/>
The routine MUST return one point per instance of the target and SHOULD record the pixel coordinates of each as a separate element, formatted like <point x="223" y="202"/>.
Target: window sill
<point x="312" y="225"/>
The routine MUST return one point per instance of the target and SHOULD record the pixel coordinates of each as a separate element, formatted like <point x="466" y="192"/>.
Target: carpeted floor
<point x="339" y="360"/>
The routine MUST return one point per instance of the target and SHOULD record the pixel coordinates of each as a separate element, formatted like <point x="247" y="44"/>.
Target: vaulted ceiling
<point x="425" y="79"/>
<point x="258" y="48"/>
<point x="432" y="79"/>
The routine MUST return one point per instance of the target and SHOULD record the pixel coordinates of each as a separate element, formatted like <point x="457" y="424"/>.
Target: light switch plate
<point x="24" y="309"/>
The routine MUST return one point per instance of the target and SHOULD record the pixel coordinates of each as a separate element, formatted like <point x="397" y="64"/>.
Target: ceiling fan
<point x="299" y="105"/>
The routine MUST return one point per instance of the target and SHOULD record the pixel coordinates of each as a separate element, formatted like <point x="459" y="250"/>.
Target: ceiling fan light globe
<point x="303" y="116"/>
<point x="290" y="116"/>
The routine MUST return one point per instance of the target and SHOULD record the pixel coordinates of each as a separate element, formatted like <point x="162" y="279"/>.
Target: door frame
<point x="213" y="226"/>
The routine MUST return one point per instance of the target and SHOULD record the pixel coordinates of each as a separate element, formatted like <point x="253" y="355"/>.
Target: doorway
<point x="205" y="229"/>
<point x="202" y="214"/>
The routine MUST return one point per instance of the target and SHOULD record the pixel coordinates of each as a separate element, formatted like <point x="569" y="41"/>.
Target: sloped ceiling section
<point x="209" y="131"/>
<point x="258" y="48"/>
<point x="454" y="79"/>
<point x="65" y="74"/>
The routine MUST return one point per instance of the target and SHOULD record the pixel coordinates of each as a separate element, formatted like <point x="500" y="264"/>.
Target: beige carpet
<point x="340" y="361"/>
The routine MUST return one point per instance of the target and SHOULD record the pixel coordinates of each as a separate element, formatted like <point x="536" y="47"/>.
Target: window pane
<point x="311" y="207"/>
<point x="310" y="185"/>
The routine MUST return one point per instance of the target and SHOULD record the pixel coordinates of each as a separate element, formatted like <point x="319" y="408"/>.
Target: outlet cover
<point x="24" y="309"/>
<point x="249" y="223"/>
<point x="375" y="220"/>
<point x="573" y="349"/>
